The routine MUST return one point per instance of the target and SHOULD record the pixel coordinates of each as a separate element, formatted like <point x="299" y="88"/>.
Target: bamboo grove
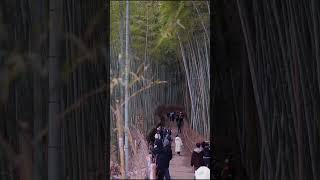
<point x="168" y="62"/>
<point x="278" y="128"/>
<point x="53" y="90"/>
<point x="54" y="68"/>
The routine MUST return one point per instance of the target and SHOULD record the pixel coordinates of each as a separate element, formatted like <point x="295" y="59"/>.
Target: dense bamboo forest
<point x="267" y="69"/>
<point x="53" y="112"/>
<point x="85" y="86"/>
<point x="159" y="62"/>
<point x="65" y="92"/>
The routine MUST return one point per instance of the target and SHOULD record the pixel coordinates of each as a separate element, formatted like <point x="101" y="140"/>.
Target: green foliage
<point x="159" y="22"/>
<point x="114" y="21"/>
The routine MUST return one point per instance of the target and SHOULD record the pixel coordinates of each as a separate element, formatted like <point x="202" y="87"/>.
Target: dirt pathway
<point x="180" y="165"/>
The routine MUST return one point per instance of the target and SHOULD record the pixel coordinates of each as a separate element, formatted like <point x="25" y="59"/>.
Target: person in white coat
<point x="179" y="144"/>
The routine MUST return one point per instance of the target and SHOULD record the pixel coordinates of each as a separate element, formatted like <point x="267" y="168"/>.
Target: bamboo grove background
<point x="169" y="42"/>
<point x="72" y="58"/>
<point x="273" y="80"/>
<point x="25" y="94"/>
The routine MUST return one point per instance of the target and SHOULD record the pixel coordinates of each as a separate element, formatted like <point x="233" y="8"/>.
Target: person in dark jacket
<point x="179" y="121"/>
<point x="169" y="135"/>
<point x="168" y="152"/>
<point x="162" y="132"/>
<point x="197" y="157"/>
<point x="163" y="157"/>
<point x="203" y="144"/>
<point x="206" y="153"/>
<point x="176" y="115"/>
<point x="171" y="116"/>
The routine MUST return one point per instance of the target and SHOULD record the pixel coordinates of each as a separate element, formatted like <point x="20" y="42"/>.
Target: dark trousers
<point x="167" y="173"/>
<point x="179" y="128"/>
<point x="163" y="174"/>
<point x="160" y="173"/>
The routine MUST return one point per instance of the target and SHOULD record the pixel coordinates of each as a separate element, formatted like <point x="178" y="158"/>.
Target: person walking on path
<point x="168" y="116"/>
<point x="162" y="132"/>
<point x="162" y="156"/>
<point x="206" y="153"/>
<point x="179" y="121"/>
<point x="168" y="152"/>
<point x="167" y="136"/>
<point x="178" y="145"/>
<point x="171" y="116"/>
<point x="197" y="157"/>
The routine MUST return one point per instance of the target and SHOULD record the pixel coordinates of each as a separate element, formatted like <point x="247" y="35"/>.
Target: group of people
<point x="201" y="155"/>
<point x="200" y="159"/>
<point x="178" y="117"/>
<point x="161" y="152"/>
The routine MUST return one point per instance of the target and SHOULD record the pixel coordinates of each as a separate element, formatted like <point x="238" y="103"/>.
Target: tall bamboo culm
<point x="283" y="61"/>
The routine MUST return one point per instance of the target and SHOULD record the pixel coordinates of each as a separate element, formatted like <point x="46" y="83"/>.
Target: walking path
<point x="180" y="165"/>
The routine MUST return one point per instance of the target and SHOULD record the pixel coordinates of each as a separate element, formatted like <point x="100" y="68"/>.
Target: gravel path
<point x="180" y="165"/>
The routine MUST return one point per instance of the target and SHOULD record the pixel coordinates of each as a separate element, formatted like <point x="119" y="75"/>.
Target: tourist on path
<point x="171" y="116"/>
<point x="168" y="152"/>
<point x="178" y="145"/>
<point x="167" y="136"/>
<point x="179" y="121"/>
<point x="206" y="153"/>
<point x="162" y="159"/>
<point x="197" y="157"/>
<point x="162" y="132"/>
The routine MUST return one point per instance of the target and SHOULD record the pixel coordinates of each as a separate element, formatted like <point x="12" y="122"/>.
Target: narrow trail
<point x="180" y="165"/>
